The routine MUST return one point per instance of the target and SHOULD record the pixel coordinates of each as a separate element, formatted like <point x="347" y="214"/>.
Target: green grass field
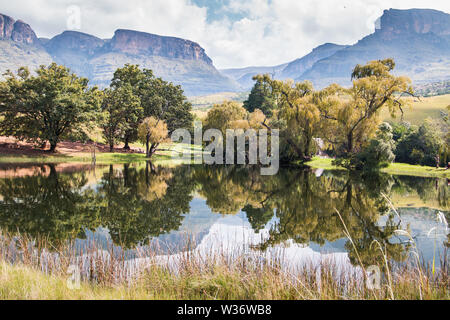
<point x="426" y="108"/>
<point x="394" y="169"/>
<point x="163" y="156"/>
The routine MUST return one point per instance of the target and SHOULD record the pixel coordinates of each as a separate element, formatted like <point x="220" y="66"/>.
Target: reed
<point x="33" y="269"/>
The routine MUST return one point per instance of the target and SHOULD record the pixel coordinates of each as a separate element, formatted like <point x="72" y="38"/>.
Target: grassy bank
<point x="221" y="282"/>
<point x="394" y="169"/>
<point x="164" y="155"/>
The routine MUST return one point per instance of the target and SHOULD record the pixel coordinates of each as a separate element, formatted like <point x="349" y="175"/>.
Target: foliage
<point x="379" y="152"/>
<point x="46" y="107"/>
<point x="354" y="115"/>
<point x="157" y="98"/>
<point x="152" y="132"/>
<point x="261" y="97"/>
<point x="116" y="107"/>
<point x="296" y="115"/>
<point x="420" y="145"/>
<point x="225" y="116"/>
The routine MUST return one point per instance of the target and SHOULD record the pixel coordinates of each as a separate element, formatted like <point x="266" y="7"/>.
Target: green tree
<point x="158" y="98"/>
<point x="420" y="146"/>
<point x="261" y="97"/>
<point x="297" y="116"/>
<point x="115" y="107"/>
<point x="129" y="80"/>
<point x="48" y="106"/>
<point x="379" y="152"/>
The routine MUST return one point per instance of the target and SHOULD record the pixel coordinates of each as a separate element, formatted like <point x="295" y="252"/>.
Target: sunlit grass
<point x="163" y="155"/>
<point x="430" y="107"/>
<point x="394" y="169"/>
<point x="215" y="275"/>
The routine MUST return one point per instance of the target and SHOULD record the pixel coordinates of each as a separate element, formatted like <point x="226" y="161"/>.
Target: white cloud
<point x="270" y="32"/>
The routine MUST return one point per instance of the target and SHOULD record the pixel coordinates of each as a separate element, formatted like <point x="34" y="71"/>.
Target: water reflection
<point x="137" y="203"/>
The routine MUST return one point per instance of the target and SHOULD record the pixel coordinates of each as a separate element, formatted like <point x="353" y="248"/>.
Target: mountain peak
<point x="75" y="41"/>
<point x="136" y="42"/>
<point x="395" y="22"/>
<point x="17" y="31"/>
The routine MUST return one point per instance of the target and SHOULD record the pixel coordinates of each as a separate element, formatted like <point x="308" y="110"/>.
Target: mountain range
<point x="177" y="60"/>
<point x="418" y="40"/>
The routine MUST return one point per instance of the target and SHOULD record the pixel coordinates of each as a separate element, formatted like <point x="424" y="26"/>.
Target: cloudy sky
<point x="235" y="33"/>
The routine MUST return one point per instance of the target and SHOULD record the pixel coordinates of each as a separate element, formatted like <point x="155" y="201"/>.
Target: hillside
<point x="431" y="107"/>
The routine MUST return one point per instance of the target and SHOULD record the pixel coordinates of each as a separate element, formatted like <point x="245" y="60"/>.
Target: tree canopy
<point x="47" y="106"/>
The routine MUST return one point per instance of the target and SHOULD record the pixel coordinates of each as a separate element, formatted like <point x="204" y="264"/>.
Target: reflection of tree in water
<point x="305" y="207"/>
<point x="138" y="204"/>
<point x="134" y="204"/>
<point x="54" y="206"/>
<point x="428" y="189"/>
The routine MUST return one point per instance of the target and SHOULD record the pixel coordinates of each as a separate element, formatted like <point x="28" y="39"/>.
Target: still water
<point x="305" y="212"/>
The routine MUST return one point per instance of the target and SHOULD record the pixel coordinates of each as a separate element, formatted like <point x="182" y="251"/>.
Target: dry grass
<point x="29" y="271"/>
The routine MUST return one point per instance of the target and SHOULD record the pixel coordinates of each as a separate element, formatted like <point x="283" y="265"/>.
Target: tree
<point x="225" y="116"/>
<point x="261" y="97"/>
<point x="297" y="114"/>
<point x="129" y="79"/>
<point x="354" y="113"/>
<point x="158" y="98"/>
<point x="166" y="101"/>
<point x="48" y="106"/>
<point x="152" y="132"/>
<point x="420" y="146"/>
<point x="116" y="105"/>
<point x="379" y="152"/>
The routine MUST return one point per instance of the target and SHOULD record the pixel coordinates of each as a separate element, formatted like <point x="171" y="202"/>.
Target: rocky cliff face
<point x="177" y="60"/>
<point x="141" y="43"/>
<point x="17" y="31"/>
<point x="395" y="23"/>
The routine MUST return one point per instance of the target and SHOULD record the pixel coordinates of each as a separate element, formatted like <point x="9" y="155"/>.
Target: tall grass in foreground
<point x="29" y="271"/>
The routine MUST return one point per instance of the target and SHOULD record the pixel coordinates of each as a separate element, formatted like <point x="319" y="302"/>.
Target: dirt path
<point x="12" y="146"/>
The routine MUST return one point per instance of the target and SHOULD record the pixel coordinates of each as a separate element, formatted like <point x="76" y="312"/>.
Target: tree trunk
<point x="111" y="148"/>
<point x="147" y="147"/>
<point x="53" y="146"/>
<point x="153" y="150"/>
<point x="350" y="143"/>
<point x="127" y="145"/>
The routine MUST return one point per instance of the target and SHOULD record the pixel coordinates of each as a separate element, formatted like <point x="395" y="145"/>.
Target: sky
<point x="234" y="33"/>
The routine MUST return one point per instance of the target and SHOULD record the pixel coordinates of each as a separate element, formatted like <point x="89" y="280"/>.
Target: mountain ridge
<point x="177" y="60"/>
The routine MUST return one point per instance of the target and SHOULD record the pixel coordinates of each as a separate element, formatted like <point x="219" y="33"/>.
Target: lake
<point x="308" y="214"/>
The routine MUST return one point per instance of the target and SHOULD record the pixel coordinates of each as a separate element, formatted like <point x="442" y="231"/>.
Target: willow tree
<point x="353" y="115"/>
<point x="48" y="106"/>
<point x="296" y="114"/>
<point x="152" y="132"/>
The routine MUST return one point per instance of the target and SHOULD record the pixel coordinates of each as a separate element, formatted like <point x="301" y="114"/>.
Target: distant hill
<point x="177" y="60"/>
<point x="244" y="76"/>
